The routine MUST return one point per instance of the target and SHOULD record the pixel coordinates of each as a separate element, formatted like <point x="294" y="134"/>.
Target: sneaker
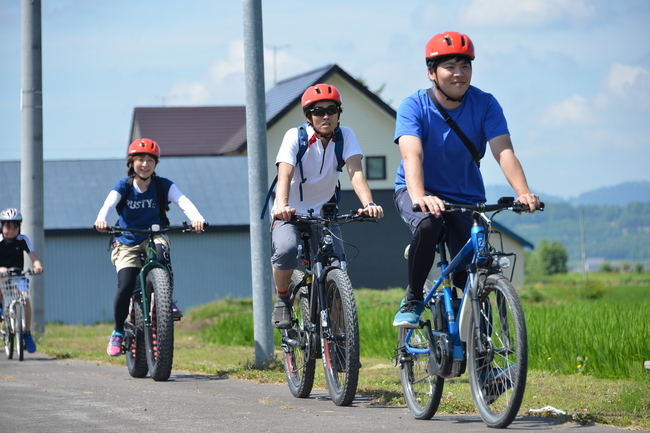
<point x="177" y="312"/>
<point x="115" y="344"/>
<point x="281" y="318"/>
<point x="409" y="314"/>
<point x="30" y="346"/>
<point x="500" y="382"/>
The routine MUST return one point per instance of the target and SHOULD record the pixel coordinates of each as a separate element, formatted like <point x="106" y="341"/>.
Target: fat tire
<point x="503" y="326"/>
<point x="422" y="390"/>
<point x="299" y="362"/>
<point x="341" y="347"/>
<point x="19" y="321"/>
<point x="159" y="337"/>
<point x="136" y="353"/>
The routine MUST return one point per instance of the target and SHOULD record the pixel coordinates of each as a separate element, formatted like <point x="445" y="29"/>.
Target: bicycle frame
<point x="458" y="325"/>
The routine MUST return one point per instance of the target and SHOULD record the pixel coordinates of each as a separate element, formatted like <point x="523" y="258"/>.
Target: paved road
<point x="41" y="394"/>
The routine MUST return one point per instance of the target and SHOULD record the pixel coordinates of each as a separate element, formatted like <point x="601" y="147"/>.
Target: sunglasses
<point x="320" y="111"/>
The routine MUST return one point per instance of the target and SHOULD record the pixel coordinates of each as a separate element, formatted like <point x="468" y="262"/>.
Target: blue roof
<point x="74" y="191"/>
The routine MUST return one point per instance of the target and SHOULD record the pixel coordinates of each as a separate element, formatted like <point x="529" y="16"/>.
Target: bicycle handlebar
<point x="508" y="203"/>
<point x="154" y="229"/>
<point x="352" y="216"/>
<point x="16" y="272"/>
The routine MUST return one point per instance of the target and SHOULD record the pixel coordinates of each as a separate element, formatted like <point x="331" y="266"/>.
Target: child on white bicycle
<point x="12" y="246"/>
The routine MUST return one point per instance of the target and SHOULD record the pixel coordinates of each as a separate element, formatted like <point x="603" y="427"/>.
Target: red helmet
<point x="144" y="145"/>
<point x="449" y="43"/>
<point x="321" y="92"/>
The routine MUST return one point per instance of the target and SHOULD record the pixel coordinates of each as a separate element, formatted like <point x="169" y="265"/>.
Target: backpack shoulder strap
<point x="303" y="140"/>
<point x="338" y="148"/>
<point x="120" y="206"/>
<point x="162" y="200"/>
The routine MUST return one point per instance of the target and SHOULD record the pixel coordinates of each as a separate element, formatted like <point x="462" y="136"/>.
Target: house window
<point x="375" y="167"/>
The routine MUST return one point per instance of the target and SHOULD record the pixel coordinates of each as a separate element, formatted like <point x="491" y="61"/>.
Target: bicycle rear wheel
<point x="8" y="336"/>
<point x="422" y="390"/>
<point x="497" y="376"/>
<point x="297" y="342"/>
<point x="341" y="345"/>
<point x="19" y="329"/>
<point x="136" y="354"/>
<point x="159" y="337"/>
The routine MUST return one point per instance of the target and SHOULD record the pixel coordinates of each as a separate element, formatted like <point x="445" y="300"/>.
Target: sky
<point x="572" y="76"/>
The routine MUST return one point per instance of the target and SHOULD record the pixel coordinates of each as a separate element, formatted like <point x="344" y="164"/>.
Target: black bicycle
<point x="324" y="313"/>
<point x="149" y="328"/>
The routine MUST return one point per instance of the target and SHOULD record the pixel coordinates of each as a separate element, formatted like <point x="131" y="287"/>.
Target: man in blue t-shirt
<point x="437" y="166"/>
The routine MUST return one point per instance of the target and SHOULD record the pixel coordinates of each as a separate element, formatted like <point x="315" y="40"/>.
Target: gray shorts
<point x="285" y="239"/>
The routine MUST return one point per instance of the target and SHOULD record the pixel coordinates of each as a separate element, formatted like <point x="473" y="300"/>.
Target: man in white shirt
<point x="311" y="182"/>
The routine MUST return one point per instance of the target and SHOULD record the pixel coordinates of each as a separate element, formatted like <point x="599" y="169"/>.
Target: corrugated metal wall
<point x="80" y="280"/>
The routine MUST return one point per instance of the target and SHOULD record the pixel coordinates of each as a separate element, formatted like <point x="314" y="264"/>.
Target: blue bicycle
<point x="484" y="329"/>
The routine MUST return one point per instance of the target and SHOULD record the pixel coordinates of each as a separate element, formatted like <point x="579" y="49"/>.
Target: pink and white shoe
<point x="115" y="344"/>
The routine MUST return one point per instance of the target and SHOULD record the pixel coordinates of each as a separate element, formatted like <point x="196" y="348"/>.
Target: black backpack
<point x="303" y="140"/>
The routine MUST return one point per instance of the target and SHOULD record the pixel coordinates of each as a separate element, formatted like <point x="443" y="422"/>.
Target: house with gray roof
<point x="204" y="153"/>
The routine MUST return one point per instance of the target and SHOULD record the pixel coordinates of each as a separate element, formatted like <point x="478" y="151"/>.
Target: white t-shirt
<point x="318" y="167"/>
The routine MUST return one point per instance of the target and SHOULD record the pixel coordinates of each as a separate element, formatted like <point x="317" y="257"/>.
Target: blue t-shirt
<point x="141" y="210"/>
<point x="449" y="170"/>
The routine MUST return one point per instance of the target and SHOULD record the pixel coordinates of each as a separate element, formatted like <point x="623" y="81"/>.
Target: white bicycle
<point x="15" y="291"/>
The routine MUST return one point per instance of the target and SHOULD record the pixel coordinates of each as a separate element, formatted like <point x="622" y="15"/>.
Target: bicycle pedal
<point x="177" y="319"/>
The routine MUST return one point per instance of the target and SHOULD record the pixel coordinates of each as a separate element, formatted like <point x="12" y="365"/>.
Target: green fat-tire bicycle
<point x="149" y="327"/>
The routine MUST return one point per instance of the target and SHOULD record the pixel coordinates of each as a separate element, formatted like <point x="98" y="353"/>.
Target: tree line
<point x="610" y="232"/>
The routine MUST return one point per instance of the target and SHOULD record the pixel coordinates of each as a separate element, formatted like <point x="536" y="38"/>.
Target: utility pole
<point x="257" y="180"/>
<point x="31" y="161"/>
<point x="275" y="49"/>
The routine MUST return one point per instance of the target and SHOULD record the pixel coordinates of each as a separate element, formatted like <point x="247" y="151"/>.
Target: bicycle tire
<point x="498" y="377"/>
<point x="341" y="347"/>
<point x="299" y="362"/>
<point x="136" y="354"/>
<point x="8" y="336"/>
<point x="422" y="390"/>
<point x="159" y="337"/>
<point x="19" y="328"/>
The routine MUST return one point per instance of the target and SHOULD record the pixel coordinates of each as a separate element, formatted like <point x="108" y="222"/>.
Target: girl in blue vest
<point x="142" y="208"/>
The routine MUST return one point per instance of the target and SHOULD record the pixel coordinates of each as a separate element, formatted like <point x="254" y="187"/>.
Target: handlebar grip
<point x="416" y="208"/>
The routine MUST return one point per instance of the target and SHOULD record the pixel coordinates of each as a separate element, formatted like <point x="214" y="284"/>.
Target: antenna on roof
<point x="275" y="49"/>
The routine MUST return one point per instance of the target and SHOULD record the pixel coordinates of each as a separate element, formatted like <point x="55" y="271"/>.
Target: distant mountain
<point x="618" y="195"/>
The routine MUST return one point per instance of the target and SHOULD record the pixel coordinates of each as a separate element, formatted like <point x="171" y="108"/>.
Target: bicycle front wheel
<point x="497" y="371"/>
<point x="136" y="354"/>
<point x="422" y="390"/>
<point x="297" y="342"/>
<point x="159" y="337"/>
<point x="341" y="342"/>
<point x="8" y="331"/>
<point x="19" y="328"/>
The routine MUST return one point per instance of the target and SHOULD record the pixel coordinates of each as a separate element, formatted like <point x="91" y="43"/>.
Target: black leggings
<point x="126" y="278"/>
<point x="422" y="249"/>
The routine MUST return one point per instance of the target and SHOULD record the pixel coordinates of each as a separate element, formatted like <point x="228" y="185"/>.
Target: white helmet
<point x="11" y="214"/>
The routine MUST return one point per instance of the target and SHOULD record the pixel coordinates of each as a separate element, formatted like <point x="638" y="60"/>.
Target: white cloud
<point x="224" y="80"/>
<point x="573" y="111"/>
<point x="630" y="84"/>
<point x="531" y="13"/>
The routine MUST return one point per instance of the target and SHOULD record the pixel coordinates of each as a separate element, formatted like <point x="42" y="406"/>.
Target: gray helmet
<point x="11" y="214"/>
